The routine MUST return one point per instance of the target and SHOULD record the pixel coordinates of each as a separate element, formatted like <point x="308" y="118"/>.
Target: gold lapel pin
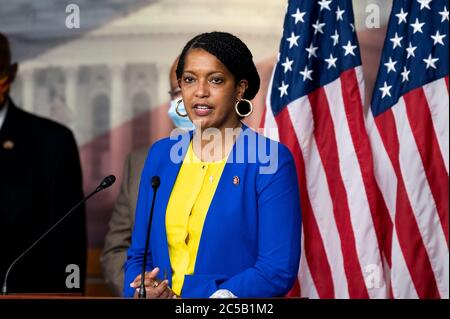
<point x="236" y="180"/>
<point x="8" y="145"/>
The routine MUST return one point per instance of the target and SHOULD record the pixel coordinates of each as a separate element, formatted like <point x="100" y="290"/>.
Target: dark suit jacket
<point x="40" y="180"/>
<point x="118" y="238"/>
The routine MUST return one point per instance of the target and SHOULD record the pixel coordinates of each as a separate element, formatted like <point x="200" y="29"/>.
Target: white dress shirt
<point x="3" y="114"/>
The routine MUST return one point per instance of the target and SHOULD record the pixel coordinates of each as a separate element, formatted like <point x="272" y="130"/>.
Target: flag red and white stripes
<point x="408" y="125"/>
<point x="315" y="107"/>
<point x="410" y="147"/>
<point x="341" y="256"/>
<point x="373" y="187"/>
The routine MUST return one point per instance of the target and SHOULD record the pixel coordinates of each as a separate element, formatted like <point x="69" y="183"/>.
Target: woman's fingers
<point x="165" y="294"/>
<point x="171" y="294"/>
<point x="153" y="293"/>
<point x="153" y="273"/>
<point x="154" y="288"/>
<point x="151" y="282"/>
<point x="148" y="276"/>
<point x="160" y="289"/>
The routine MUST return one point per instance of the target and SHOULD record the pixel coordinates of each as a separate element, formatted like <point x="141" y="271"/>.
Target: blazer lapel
<point x="159" y="233"/>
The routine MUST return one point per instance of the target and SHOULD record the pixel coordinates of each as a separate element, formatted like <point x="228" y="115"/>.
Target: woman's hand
<point x="154" y="288"/>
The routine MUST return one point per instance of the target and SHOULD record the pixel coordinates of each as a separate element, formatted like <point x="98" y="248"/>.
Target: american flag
<point x="408" y="128"/>
<point x="315" y="107"/>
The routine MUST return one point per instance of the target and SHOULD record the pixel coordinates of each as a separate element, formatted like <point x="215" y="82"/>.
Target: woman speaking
<point x="226" y="218"/>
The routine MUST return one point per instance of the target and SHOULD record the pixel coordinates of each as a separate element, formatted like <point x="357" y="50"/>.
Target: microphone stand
<point x="108" y="181"/>
<point x="155" y="184"/>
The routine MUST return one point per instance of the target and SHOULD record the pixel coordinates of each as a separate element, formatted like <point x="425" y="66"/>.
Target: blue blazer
<point x="250" y="243"/>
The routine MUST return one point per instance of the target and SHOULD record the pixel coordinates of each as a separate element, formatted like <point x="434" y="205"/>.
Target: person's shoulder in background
<point x="36" y="124"/>
<point x="137" y="159"/>
<point x="118" y="238"/>
<point x="37" y="134"/>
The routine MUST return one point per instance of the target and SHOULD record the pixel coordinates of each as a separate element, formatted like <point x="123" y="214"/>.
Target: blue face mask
<point x="179" y="121"/>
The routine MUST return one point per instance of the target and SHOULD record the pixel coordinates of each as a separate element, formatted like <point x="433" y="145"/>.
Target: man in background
<point x="40" y="180"/>
<point x="118" y="238"/>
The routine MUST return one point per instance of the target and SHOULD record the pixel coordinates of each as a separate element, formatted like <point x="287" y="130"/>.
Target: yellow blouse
<point x="188" y="205"/>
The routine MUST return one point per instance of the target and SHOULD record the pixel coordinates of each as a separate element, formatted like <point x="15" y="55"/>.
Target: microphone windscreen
<point x="108" y="181"/>
<point x="156" y="181"/>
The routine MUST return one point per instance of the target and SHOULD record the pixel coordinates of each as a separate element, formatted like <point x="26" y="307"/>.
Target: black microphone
<point x="156" y="181"/>
<point x="106" y="182"/>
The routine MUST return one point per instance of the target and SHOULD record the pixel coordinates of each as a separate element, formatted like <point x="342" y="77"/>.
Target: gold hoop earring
<point x="178" y="112"/>
<point x="236" y="107"/>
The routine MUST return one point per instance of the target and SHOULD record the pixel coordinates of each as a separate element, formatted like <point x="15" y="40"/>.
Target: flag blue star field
<point x="409" y="132"/>
<point x="315" y="107"/>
